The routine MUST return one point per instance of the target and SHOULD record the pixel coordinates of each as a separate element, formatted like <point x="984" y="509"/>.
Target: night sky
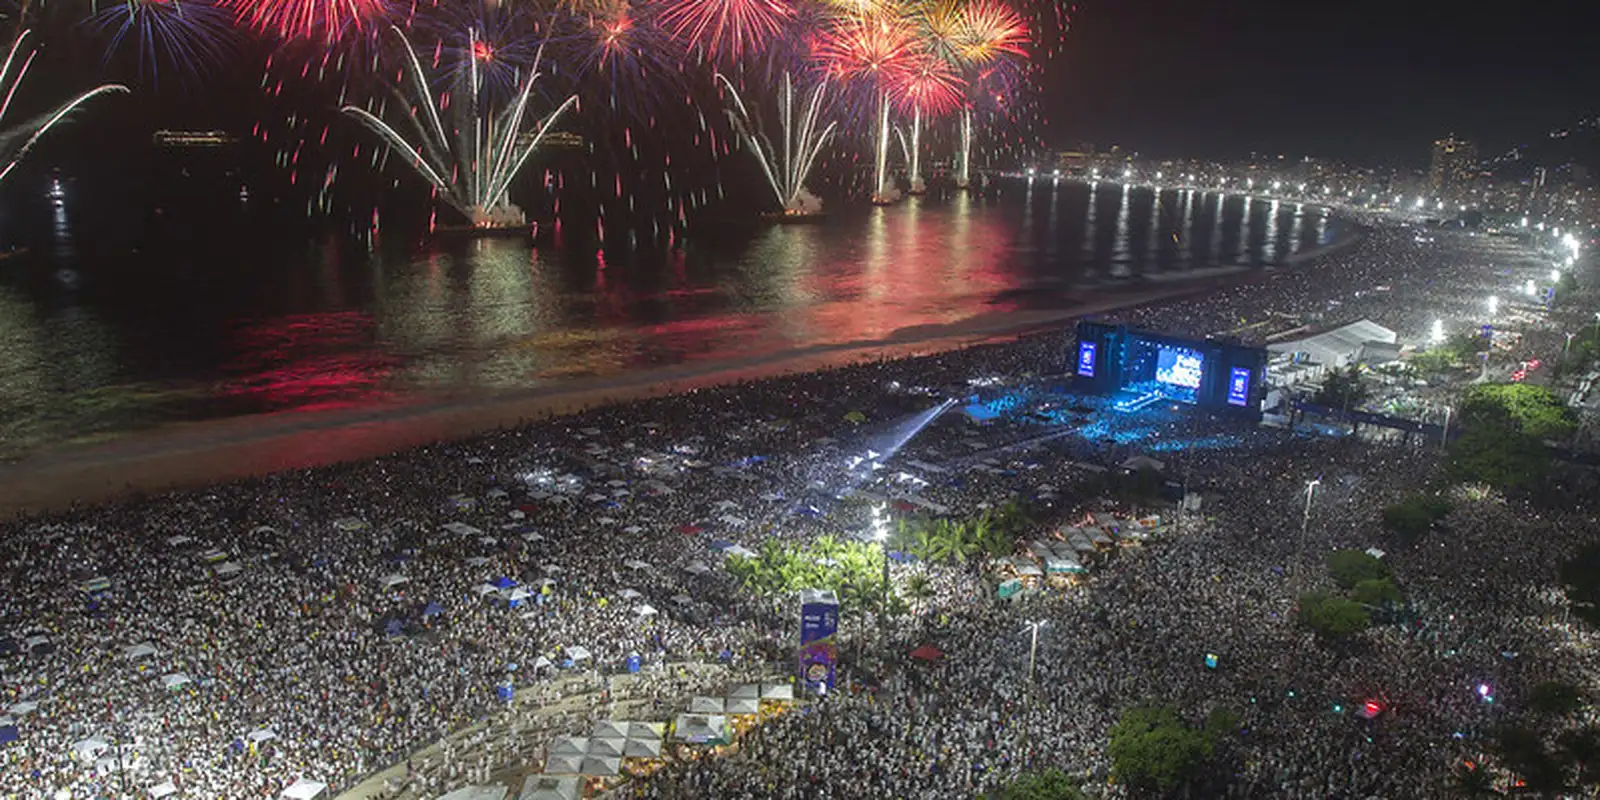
<point x="1370" y="82"/>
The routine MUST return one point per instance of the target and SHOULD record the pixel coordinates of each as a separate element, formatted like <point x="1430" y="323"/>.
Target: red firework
<point x="729" y="27"/>
<point x="930" y="85"/>
<point x="881" y="49"/>
<point x="991" y="29"/>
<point x="306" y="19"/>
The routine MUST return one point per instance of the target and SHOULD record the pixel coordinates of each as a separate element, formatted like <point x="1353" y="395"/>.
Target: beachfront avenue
<point x="323" y="630"/>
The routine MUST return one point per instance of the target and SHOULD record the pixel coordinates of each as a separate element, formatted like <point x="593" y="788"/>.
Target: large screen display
<point x="1086" y="359"/>
<point x="1179" y="366"/>
<point x="1239" y="387"/>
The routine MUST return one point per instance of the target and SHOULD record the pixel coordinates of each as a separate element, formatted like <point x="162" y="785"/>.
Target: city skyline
<point x="1360" y="82"/>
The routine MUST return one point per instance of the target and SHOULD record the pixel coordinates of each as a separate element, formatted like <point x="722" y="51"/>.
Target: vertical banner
<point x="819" y="621"/>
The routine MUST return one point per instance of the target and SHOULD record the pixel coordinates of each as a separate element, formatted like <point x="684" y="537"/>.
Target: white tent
<point x="174" y="681"/>
<point x="162" y="789"/>
<point x="260" y="735"/>
<point x="611" y="730"/>
<point x="578" y="653"/>
<point x="477" y="793"/>
<point x="647" y="731"/>
<point x="600" y="767"/>
<point x="629" y="594"/>
<point x="1338" y="347"/>
<point x="391" y="581"/>
<point x="740" y="551"/>
<point x="746" y="691"/>
<point x="569" y="746"/>
<point x="779" y="692"/>
<point x="461" y="529"/>
<point x="644" y="610"/>
<point x="705" y="705"/>
<point x="178" y="541"/>
<point x="743" y="707"/>
<point x="484" y="589"/>
<point x="697" y="568"/>
<point x="564" y="765"/>
<point x="642" y="748"/>
<point x="549" y="787"/>
<point x="304" y="789"/>
<point x="22" y="709"/>
<point x="606" y="748"/>
<point x="701" y="729"/>
<point x="228" y="569"/>
<point x="138" y="651"/>
<point x="635" y="564"/>
<point x="90" y="748"/>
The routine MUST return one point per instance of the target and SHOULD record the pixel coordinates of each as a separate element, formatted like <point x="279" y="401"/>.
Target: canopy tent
<point x="393" y="580"/>
<point x="178" y="541"/>
<point x="696" y="568"/>
<point x="645" y="610"/>
<point x="22" y="709"/>
<point x="260" y="735"/>
<point x="611" y="730"/>
<point x="138" y="651"/>
<point x="564" y="765"/>
<point x="600" y="767"/>
<point x="549" y="787"/>
<point x="304" y="789"/>
<point x="636" y="564"/>
<point x="174" y="681"/>
<point x="477" y="793"/>
<point x="642" y="748"/>
<point x="778" y="692"/>
<point x="927" y="652"/>
<point x="629" y="594"/>
<point x="606" y="748"/>
<point x="742" y="707"/>
<point x="228" y="569"/>
<point x="162" y="789"/>
<point x="569" y="746"/>
<point x="746" y="691"/>
<point x="578" y="653"/>
<point x="705" y="705"/>
<point x="647" y="731"/>
<point x="740" y="551"/>
<point x="89" y="749"/>
<point x="702" y="729"/>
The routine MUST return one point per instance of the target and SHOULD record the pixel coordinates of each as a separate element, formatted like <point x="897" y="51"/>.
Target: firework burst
<point x="727" y="28"/>
<point x="28" y="133"/>
<point x="325" y="20"/>
<point x="989" y="30"/>
<point x="472" y="161"/>
<point x="184" y="34"/>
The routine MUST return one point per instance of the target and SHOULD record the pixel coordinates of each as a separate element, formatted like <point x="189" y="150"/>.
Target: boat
<point x="794" y="217"/>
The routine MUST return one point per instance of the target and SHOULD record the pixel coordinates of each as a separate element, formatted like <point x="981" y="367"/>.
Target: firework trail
<point x="187" y="34"/>
<point x="472" y="164"/>
<point x="802" y="140"/>
<point x="875" y="54"/>
<point x="931" y="87"/>
<point x="31" y="131"/>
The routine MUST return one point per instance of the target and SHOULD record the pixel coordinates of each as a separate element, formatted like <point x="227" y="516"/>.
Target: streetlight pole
<point x="1444" y="438"/>
<point x="1033" y="650"/>
<point x="880" y="532"/>
<point x="1305" y="523"/>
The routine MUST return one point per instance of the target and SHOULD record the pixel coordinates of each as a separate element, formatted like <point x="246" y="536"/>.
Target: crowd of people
<point x="326" y="623"/>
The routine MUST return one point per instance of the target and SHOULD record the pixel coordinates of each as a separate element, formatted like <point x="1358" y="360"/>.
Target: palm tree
<point x="1472" y="780"/>
<point x="920" y="590"/>
<point x="1582" y="748"/>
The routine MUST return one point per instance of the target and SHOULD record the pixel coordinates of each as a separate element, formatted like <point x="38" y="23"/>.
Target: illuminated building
<point x="1455" y="164"/>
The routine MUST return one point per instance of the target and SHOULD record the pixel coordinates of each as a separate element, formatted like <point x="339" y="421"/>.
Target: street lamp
<point x="880" y="532"/>
<point x="1033" y="647"/>
<point x="1305" y="522"/>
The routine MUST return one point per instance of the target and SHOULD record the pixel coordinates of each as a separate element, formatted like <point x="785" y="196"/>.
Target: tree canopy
<point x="1350" y="567"/>
<point x="1342" y="389"/>
<point x="1581" y="577"/>
<point x="1532" y="410"/>
<point x="1153" y="748"/>
<point x="1414" y="517"/>
<point x="1331" y="616"/>
<point x="1051" y="784"/>
<point x="1502" y="457"/>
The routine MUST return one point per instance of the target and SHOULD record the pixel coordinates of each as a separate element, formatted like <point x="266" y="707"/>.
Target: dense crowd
<point x="325" y="623"/>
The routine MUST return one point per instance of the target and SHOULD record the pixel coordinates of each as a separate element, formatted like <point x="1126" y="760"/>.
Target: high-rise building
<point x="1455" y="165"/>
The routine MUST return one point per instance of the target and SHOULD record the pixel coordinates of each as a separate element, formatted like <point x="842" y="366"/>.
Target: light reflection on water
<point x="151" y="339"/>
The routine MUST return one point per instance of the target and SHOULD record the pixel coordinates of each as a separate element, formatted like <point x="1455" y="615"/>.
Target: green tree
<point x="1332" y="617"/>
<point x="1342" y="389"/>
<point x="1555" y="697"/>
<point x="1152" y="748"/>
<point x="1472" y="780"/>
<point x="1581" y="577"/>
<point x="1581" y="747"/>
<point x="1500" y="457"/>
<point x="919" y="590"/>
<point x="1350" y="567"/>
<point x="1464" y="347"/>
<point x="1524" y="754"/>
<point x="1532" y="410"/>
<point x="1414" y="517"/>
<point x="1051" y="784"/>
<point x="1376" y="593"/>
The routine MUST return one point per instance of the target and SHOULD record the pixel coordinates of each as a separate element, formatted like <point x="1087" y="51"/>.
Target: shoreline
<point x="190" y="455"/>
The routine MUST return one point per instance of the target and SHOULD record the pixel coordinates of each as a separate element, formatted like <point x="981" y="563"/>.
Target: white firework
<point x="802" y="138"/>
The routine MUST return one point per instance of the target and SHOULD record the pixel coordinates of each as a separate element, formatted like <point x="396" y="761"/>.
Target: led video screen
<point x="1239" y="387"/>
<point x="1086" y="359"/>
<point x="1179" y="366"/>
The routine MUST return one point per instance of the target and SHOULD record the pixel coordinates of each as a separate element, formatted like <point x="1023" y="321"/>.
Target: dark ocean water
<point x="109" y="325"/>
